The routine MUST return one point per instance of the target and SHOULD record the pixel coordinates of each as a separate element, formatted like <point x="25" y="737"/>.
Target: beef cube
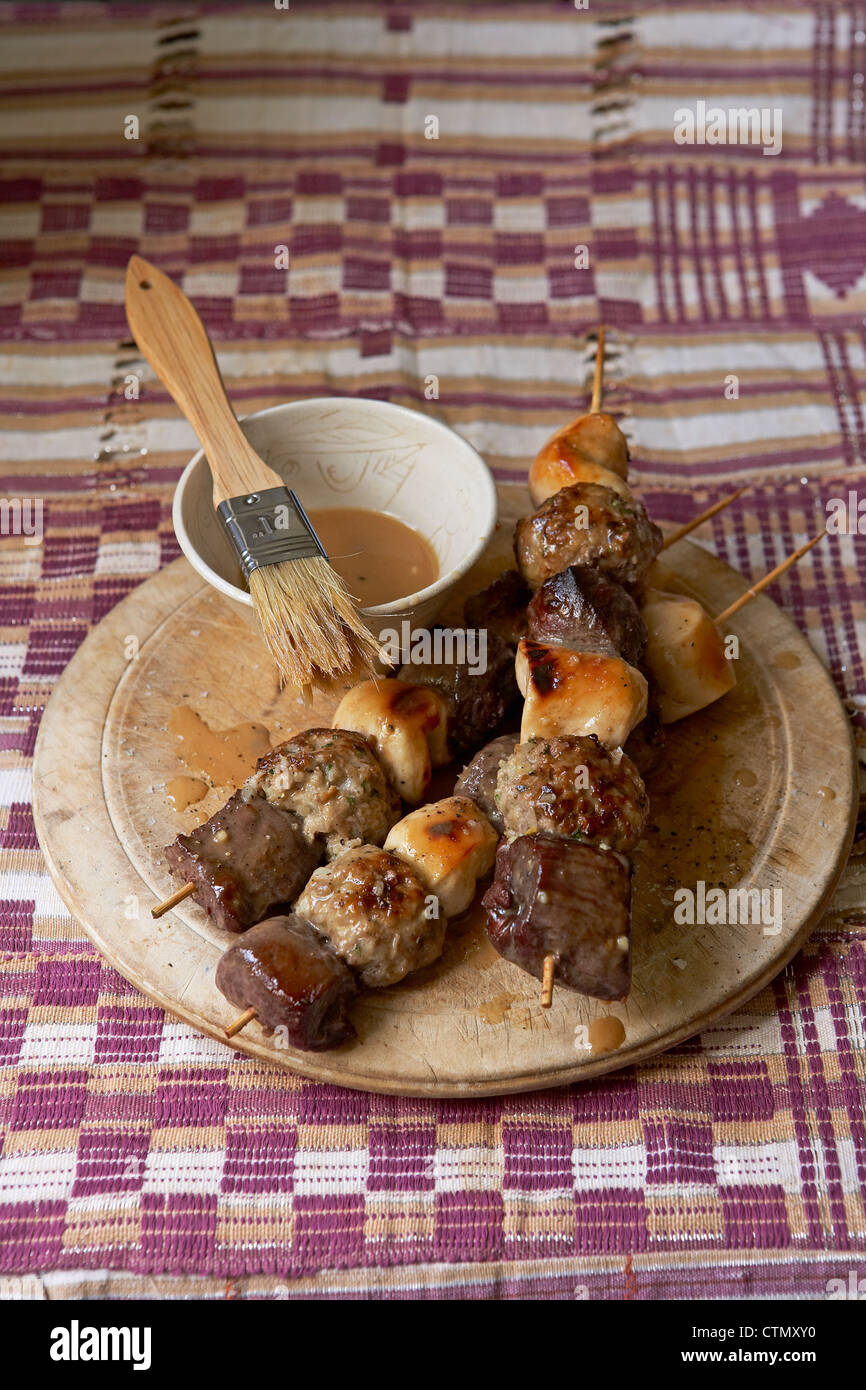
<point x="291" y="977"/>
<point x="479" y="701"/>
<point x="248" y="861"/>
<point x="552" y="896"/>
<point x="583" y="609"/>
<point x="500" y="608"/>
<point x="478" y="779"/>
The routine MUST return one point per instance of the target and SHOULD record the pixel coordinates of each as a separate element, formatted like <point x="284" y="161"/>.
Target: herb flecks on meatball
<point x="373" y="909"/>
<point x="586" y="524"/>
<point x="573" y="787"/>
<point x="333" y="781"/>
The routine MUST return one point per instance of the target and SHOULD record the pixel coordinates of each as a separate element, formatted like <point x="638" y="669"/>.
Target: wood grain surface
<point x="756" y="791"/>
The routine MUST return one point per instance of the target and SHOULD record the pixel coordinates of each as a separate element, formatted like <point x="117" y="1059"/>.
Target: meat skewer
<point x="366" y="919"/>
<point x="549" y="962"/>
<point x="588" y="682"/>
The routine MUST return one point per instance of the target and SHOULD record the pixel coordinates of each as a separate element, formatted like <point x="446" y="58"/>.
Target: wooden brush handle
<point x="172" y="338"/>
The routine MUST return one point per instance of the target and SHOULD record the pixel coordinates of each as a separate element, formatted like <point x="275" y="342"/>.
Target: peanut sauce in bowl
<point x="397" y="485"/>
<point x="378" y="556"/>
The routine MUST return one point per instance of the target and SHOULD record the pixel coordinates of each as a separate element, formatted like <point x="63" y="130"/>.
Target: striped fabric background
<point x="136" y="1156"/>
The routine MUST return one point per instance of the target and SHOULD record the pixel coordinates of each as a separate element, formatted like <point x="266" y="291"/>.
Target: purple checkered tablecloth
<point x="434" y="171"/>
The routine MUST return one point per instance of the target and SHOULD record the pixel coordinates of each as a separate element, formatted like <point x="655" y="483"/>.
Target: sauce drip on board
<point x="605" y="1034"/>
<point x="379" y="557"/>
<point x="185" y="791"/>
<point x="223" y="756"/>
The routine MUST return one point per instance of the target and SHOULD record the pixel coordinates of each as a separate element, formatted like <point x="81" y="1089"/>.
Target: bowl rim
<point x="394" y="607"/>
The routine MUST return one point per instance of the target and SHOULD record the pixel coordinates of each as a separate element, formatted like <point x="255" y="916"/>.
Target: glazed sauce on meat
<point x="379" y="557"/>
<point x="226" y="757"/>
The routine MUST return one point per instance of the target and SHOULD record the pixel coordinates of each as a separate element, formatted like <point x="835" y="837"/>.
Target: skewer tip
<point x="240" y="1022"/>
<point x="547" y="982"/>
<point x="178" y="897"/>
<point x="769" y="578"/>
<point x="598" y="374"/>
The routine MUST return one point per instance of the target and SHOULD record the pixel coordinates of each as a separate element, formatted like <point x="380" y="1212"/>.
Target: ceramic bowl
<point x="348" y="452"/>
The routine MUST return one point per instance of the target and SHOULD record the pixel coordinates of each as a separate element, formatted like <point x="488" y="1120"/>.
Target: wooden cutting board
<point x="757" y="791"/>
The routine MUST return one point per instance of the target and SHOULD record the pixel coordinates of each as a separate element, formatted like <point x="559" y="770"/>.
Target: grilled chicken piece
<point x="586" y="525"/>
<point x="478" y="779"/>
<point x="335" y="784"/>
<point x="570" y="692"/>
<point x="593" y="439"/>
<point x="248" y="861"/>
<point x="685" y="655"/>
<point x="450" y="844"/>
<point x="551" y="896"/>
<point x="501" y="607"/>
<point x="478" y="701"/>
<point x="573" y="787"/>
<point x="285" y="971"/>
<point x="373" y="909"/>
<point x="405" y="724"/>
<point x="583" y="609"/>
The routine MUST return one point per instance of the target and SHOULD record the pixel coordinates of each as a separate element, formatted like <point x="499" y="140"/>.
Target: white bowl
<point x="348" y="452"/>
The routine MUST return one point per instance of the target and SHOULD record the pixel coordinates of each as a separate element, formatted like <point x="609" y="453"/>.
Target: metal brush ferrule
<point x="268" y="527"/>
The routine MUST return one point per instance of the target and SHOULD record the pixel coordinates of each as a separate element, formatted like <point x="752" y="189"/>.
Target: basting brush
<point x="310" y="622"/>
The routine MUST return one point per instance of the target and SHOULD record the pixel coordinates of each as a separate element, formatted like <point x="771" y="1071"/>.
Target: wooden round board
<point x="757" y="790"/>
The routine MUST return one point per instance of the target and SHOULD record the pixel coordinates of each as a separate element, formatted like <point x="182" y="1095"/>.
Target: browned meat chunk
<point x="586" y="610"/>
<point x="478" y="779"/>
<point x="376" y="914"/>
<point x="479" y="700"/>
<point x="551" y="896"/>
<point x="333" y="781"/>
<point x="293" y="980"/>
<point x="586" y="525"/>
<point x="572" y="786"/>
<point x="248" y="861"/>
<point x="501" y="607"/>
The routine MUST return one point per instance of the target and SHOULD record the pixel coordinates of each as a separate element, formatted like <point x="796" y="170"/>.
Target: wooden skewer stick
<point x="173" y="901"/>
<point x="701" y="517"/>
<point x="240" y="1022"/>
<point x="768" y="578"/>
<point x="547" y="982"/>
<point x="598" y="375"/>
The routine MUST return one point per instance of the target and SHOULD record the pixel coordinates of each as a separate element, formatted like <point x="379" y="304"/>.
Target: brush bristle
<point x="310" y="624"/>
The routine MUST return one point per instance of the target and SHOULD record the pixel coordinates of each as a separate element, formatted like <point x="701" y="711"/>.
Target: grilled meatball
<point x="285" y="971"/>
<point x="586" y="525"/>
<point x="572" y="786"/>
<point x="501" y="607"/>
<point x="586" y="610"/>
<point x="372" y="908"/>
<point x="478" y="700"/>
<point x="551" y="896"/>
<point x="333" y="781"/>
<point x="478" y="779"/>
<point x="248" y="861"/>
